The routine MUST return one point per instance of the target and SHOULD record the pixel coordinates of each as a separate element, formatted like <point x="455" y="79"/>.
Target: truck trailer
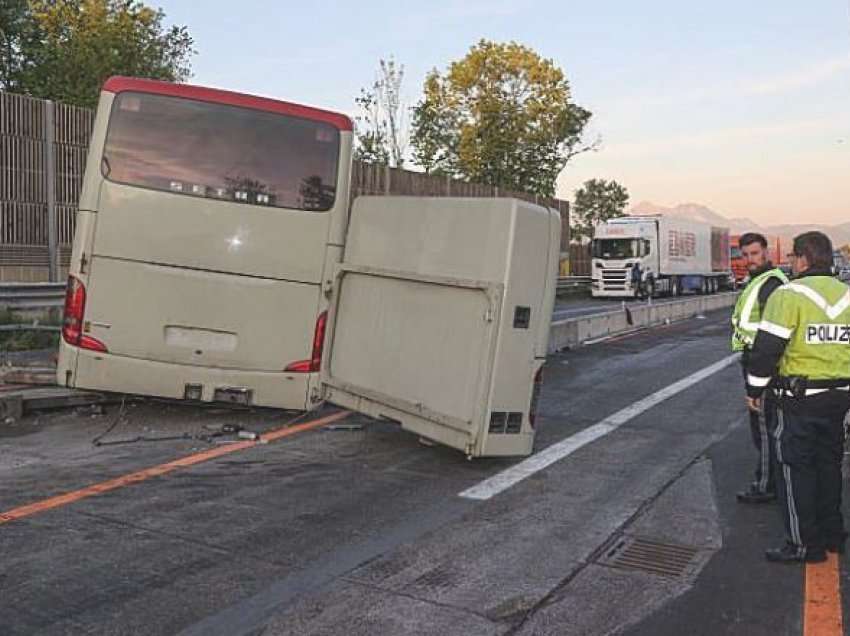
<point x="672" y="256"/>
<point x="775" y="253"/>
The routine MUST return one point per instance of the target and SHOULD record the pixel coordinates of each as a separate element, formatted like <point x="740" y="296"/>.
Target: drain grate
<point x="637" y="553"/>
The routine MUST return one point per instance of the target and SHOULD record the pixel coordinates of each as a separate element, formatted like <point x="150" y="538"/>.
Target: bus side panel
<point x="85" y="226"/>
<point x="90" y="192"/>
<point x="80" y="269"/>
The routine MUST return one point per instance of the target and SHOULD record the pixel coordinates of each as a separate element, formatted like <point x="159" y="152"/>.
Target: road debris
<point x="344" y="427"/>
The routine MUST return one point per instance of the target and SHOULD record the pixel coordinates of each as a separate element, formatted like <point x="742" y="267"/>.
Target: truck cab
<point x="616" y="251"/>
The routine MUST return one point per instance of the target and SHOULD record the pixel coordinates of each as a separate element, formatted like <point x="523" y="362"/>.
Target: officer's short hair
<point x="816" y="247"/>
<point x="752" y="237"/>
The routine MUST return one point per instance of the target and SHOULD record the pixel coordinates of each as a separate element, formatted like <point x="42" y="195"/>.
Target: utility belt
<point x="799" y="387"/>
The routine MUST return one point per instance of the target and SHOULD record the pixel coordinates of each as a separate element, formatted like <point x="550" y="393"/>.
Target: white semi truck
<point x="658" y="255"/>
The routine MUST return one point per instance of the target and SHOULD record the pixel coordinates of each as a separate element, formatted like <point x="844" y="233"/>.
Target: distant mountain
<point x="692" y="211"/>
<point x="840" y="234"/>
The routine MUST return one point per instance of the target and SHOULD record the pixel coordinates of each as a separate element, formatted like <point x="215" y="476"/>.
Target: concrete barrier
<point x="573" y="332"/>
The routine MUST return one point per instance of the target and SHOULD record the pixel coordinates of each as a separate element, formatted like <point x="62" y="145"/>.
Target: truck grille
<point x="614" y="278"/>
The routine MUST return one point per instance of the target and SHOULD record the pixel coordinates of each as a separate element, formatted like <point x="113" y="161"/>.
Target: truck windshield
<point x="221" y="152"/>
<point x="616" y="248"/>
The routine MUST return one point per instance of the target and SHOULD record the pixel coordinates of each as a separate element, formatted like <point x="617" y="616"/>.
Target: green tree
<point x="66" y="49"/>
<point x="502" y="116"/>
<point x="370" y="131"/>
<point x="597" y="200"/>
<point x="15" y="31"/>
<point x="381" y="131"/>
<point x="432" y="134"/>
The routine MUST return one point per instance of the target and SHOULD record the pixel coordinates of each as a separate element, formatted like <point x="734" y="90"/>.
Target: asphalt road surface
<point x="624" y="520"/>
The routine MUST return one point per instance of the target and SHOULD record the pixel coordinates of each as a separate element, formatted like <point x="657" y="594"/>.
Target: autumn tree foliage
<point x="503" y="116"/>
<point x="65" y="49"/>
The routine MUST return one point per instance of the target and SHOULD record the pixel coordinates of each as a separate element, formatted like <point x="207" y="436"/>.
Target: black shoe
<point x="795" y="554"/>
<point x="753" y="495"/>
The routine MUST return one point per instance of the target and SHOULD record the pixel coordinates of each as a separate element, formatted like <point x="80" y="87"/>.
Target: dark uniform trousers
<point x="762" y="428"/>
<point x="809" y="450"/>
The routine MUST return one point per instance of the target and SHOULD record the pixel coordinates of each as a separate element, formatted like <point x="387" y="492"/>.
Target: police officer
<point x="764" y="278"/>
<point x="805" y="332"/>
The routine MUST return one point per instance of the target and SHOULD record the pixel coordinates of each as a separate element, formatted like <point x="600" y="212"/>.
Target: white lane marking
<point x="537" y="462"/>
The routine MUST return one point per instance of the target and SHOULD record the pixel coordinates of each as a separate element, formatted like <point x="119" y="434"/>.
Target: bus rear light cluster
<point x="72" y="322"/>
<point x="314" y="363"/>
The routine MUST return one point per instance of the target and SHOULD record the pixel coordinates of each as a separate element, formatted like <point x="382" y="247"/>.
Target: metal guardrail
<point x="31" y="295"/>
<point x="26" y="327"/>
<point x="572" y="282"/>
<point x="572" y="332"/>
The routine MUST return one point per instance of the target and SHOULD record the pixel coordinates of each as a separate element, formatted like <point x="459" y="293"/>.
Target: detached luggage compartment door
<point x="413" y="348"/>
<point x="439" y="318"/>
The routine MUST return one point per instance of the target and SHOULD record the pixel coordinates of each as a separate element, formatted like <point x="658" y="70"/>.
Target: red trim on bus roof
<point x="120" y="84"/>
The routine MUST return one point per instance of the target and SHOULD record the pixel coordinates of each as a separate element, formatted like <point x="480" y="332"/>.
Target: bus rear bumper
<point x="120" y="374"/>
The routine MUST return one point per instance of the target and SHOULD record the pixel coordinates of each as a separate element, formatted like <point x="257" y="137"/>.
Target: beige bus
<point x="208" y="228"/>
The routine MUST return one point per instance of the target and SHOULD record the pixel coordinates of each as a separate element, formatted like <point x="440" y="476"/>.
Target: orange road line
<point x="822" y="599"/>
<point x="162" y="469"/>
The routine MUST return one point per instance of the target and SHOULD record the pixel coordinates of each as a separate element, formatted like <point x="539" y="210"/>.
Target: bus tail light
<point x="314" y="364"/>
<point x="72" y="321"/>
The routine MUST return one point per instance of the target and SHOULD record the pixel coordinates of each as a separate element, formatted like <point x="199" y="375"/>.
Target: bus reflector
<point x="314" y="364"/>
<point x="72" y="321"/>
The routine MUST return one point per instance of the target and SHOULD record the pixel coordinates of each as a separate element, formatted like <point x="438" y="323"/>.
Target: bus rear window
<point x="221" y="152"/>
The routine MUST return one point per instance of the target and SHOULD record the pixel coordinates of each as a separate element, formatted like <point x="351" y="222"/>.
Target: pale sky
<point x="741" y="106"/>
